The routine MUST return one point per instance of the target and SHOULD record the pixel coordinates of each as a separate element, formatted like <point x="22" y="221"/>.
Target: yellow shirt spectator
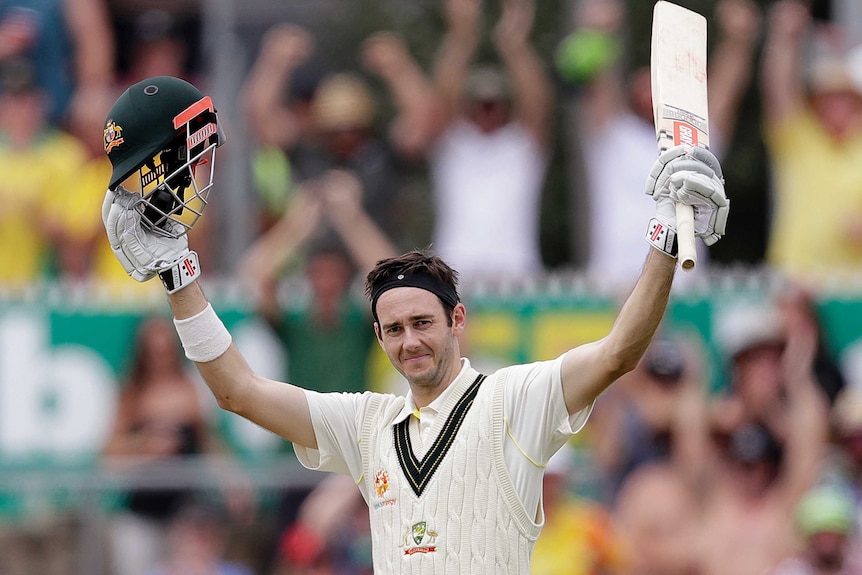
<point x="818" y="183"/>
<point x="34" y="180"/>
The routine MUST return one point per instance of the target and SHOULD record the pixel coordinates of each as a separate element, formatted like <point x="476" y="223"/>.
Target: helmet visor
<point x="175" y="184"/>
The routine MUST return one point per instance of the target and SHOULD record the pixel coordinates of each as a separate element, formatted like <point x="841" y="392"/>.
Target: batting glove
<point x="692" y="176"/>
<point x="143" y="253"/>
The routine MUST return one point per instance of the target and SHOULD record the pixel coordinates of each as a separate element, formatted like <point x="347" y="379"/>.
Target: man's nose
<point x="411" y="338"/>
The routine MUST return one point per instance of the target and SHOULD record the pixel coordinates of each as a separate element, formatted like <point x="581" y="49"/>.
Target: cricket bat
<point x="680" y="111"/>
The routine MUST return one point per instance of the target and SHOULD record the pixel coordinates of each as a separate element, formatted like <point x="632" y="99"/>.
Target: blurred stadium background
<point x="63" y="346"/>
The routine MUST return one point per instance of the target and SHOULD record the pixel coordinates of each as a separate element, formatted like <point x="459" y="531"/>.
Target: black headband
<point x="415" y="278"/>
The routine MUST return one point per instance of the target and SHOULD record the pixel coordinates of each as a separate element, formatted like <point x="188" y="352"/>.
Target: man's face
<point x="329" y="275"/>
<point x="758" y="376"/>
<point x="415" y="332"/>
<point x="828" y="550"/>
<point x="838" y="111"/>
<point x="489" y="115"/>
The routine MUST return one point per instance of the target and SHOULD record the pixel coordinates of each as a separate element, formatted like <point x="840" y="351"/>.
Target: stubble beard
<point x="437" y="377"/>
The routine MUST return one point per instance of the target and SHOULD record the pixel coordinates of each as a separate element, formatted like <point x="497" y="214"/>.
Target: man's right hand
<point x="141" y="252"/>
<point x="691" y="176"/>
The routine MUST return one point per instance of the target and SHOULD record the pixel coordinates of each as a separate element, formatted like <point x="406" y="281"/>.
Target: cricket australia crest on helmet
<point x="113" y="136"/>
<point x="160" y="136"/>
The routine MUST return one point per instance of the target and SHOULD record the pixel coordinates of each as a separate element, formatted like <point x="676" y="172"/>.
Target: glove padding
<point x="692" y="176"/>
<point x="142" y="253"/>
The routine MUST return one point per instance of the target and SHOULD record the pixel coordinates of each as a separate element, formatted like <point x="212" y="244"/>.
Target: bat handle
<point x="687" y="254"/>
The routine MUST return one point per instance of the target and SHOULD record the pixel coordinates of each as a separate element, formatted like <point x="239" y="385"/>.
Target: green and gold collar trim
<point x="419" y="473"/>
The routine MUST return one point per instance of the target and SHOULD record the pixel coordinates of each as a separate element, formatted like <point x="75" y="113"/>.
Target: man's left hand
<point x="142" y="253"/>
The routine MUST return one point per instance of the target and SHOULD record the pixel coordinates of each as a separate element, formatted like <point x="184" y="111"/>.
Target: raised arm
<point x="90" y="28"/>
<point x="601" y="95"/>
<point x="731" y="63"/>
<point x="590" y="368"/>
<point x="366" y="242"/>
<point x="420" y="114"/>
<point x="805" y="420"/>
<point x="456" y="53"/>
<point x="531" y="85"/>
<point x="265" y="259"/>
<point x="284" y="48"/>
<point x="781" y="72"/>
<point x="279" y="407"/>
<point x="683" y="174"/>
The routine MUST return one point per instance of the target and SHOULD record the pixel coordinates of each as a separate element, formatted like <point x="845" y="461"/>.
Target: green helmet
<point x="163" y="129"/>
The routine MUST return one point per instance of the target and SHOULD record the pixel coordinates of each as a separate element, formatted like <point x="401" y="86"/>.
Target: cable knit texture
<point x="468" y="518"/>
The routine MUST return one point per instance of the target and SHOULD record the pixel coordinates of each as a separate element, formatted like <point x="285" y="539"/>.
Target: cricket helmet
<point x="160" y="136"/>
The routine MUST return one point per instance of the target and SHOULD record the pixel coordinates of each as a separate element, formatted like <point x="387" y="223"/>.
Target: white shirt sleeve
<point x="336" y="418"/>
<point x="537" y="424"/>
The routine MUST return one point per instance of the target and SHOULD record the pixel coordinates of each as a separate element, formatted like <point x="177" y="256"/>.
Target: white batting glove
<point x="143" y="253"/>
<point x="692" y="176"/>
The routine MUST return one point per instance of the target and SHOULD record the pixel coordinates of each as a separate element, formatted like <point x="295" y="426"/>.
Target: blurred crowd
<point x="759" y="474"/>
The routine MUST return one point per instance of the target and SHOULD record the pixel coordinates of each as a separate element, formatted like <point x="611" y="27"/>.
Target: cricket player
<point x="452" y="472"/>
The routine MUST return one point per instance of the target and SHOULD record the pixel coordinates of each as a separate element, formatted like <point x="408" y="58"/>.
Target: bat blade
<point x="679" y="95"/>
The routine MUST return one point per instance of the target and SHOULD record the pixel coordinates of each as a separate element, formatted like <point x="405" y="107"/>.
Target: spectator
<point x="197" y="544"/>
<point x="331" y="319"/>
<point x="331" y="322"/>
<point x="812" y="129"/>
<point x="157" y="41"/>
<point x="825" y="520"/>
<point x="161" y="418"/>
<point x="338" y="131"/>
<point x="798" y="306"/>
<point x="748" y="487"/>
<point x="846" y="458"/>
<point x="634" y="423"/>
<point x="751" y="338"/>
<point x="656" y="517"/>
<point x="37" y="161"/>
<point x="578" y="537"/>
<point x="332" y="533"/>
<point x="486" y="138"/>
<point x="278" y="94"/>
<point x="615" y="117"/>
<point x="70" y="45"/>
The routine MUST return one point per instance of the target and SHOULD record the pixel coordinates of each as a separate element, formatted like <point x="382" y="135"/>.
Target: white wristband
<point x="204" y="336"/>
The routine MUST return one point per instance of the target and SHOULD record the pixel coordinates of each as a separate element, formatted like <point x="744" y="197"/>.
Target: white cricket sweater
<point x="455" y="511"/>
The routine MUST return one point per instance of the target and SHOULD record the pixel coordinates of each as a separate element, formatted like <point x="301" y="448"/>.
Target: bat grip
<point x="687" y="253"/>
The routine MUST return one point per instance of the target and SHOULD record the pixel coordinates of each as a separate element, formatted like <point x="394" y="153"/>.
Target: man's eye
<point x="393" y="329"/>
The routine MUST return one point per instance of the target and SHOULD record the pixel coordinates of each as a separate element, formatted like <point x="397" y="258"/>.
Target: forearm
<point x="94" y="43"/>
<point x="419" y="108"/>
<point x="589" y="369"/>
<point x="531" y="86"/>
<point x="642" y="312"/>
<point x="366" y="242"/>
<point x="268" y="256"/>
<point x="728" y="80"/>
<point x="222" y="372"/>
<point x="781" y="81"/>
<point x="451" y="68"/>
<point x="262" y="96"/>
<point x="279" y="407"/>
<point x="265" y="259"/>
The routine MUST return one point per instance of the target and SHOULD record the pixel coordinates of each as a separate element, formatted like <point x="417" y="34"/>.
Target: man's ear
<point x="459" y="318"/>
<point x="377" y="333"/>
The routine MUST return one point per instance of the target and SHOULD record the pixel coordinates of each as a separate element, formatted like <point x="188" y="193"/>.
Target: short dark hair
<point x="425" y="262"/>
